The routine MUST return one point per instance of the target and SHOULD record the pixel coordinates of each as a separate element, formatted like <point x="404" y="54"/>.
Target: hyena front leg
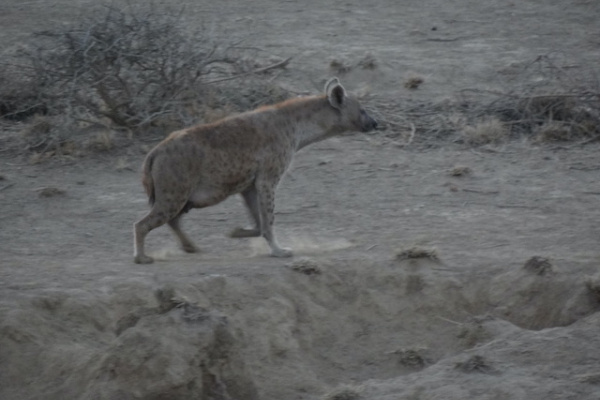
<point x="250" y="197"/>
<point x="266" y="206"/>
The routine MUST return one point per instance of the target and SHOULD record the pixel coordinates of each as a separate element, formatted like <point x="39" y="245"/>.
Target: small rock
<point x="305" y="266"/>
<point x="50" y="191"/>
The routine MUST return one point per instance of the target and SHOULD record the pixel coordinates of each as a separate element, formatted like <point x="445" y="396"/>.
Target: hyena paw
<point x="282" y="252"/>
<point x="189" y="248"/>
<point x="143" y="259"/>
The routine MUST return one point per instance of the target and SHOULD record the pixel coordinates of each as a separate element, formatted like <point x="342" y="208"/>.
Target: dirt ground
<point x="348" y="317"/>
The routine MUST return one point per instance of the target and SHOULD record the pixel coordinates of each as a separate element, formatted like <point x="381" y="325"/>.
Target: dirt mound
<point x="405" y="323"/>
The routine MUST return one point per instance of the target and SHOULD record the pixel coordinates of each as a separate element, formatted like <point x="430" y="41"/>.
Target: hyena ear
<point x="336" y="94"/>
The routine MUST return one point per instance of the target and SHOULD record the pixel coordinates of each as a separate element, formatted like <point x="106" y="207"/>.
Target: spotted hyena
<point x="247" y="154"/>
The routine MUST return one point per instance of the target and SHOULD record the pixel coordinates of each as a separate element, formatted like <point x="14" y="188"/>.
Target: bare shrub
<point x="489" y="131"/>
<point x="413" y="82"/>
<point x="553" y="131"/>
<point x="548" y="103"/>
<point x="131" y="68"/>
<point x="21" y="97"/>
<point x="126" y="69"/>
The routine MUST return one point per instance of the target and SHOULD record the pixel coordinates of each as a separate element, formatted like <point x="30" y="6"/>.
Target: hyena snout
<point x="367" y="123"/>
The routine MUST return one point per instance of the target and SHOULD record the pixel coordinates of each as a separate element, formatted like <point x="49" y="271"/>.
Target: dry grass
<point x="559" y="105"/>
<point x="488" y="131"/>
<point x="414" y="82"/>
<point x="553" y="131"/>
<point x="102" y="141"/>
<point x="538" y="265"/>
<point x="460" y="170"/>
<point x="339" y="66"/>
<point x="367" y="62"/>
<point x="417" y="252"/>
<point x="474" y="363"/>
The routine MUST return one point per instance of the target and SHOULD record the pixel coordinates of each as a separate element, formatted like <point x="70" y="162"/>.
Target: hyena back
<point x="247" y="154"/>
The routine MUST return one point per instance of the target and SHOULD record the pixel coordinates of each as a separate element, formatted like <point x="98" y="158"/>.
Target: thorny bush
<point x="133" y="68"/>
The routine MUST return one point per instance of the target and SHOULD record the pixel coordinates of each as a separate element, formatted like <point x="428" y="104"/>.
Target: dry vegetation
<point x="136" y="69"/>
<point x="417" y="252"/>
<point x="119" y="72"/>
<point x="556" y="105"/>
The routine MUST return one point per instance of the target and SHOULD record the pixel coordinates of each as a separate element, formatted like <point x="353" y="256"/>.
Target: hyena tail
<point x="147" y="180"/>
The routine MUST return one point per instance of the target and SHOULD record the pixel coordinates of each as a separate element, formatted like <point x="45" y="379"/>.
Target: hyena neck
<point x="312" y="120"/>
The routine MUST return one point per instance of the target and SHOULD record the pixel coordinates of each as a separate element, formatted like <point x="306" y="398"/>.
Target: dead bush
<point x="131" y="67"/>
<point x="547" y="103"/>
<point x="127" y="70"/>
<point x="489" y="131"/>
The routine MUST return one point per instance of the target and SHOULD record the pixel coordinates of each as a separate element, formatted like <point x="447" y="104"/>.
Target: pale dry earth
<point x="80" y="320"/>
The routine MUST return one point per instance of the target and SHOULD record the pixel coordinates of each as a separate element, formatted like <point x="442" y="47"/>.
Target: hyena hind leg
<point x="186" y="243"/>
<point x="157" y="216"/>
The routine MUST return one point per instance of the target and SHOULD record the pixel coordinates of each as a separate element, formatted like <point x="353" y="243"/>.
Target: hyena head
<point x="350" y="115"/>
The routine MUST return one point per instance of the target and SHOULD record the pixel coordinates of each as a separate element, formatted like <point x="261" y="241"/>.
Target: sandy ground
<point x="80" y="320"/>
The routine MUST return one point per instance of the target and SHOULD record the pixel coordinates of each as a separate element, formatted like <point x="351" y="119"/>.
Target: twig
<point x="448" y="320"/>
<point x="281" y="64"/>
<point x="480" y="191"/>
<point x="7" y="186"/>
